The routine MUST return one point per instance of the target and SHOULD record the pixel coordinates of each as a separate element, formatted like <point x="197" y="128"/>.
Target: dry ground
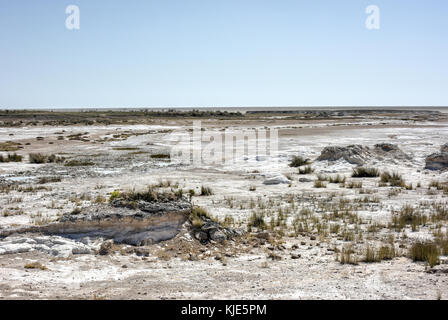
<point x="300" y="261"/>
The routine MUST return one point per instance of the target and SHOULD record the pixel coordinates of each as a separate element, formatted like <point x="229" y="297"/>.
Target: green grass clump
<point x="298" y="161"/>
<point x="43" y="180"/>
<point x="393" y="179"/>
<point x="150" y="194"/>
<point x="114" y="195"/>
<point x="41" y="158"/>
<point x="206" y="191"/>
<point x="319" y="184"/>
<point x="9" y="146"/>
<point x="409" y="216"/>
<point x="362" y="172"/>
<point x="256" y="220"/>
<point x="378" y="255"/>
<point x="198" y="215"/>
<point x="37" y="158"/>
<point x="354" y="185"/>
<point x="306" y="170"/>
<point x="425" y="251"/>
<point x="11" y="158"/>
<point x="160" y="156"/>
<point x="438" y="185"/>
<point x="347" y="256"/>
<point x="337" y="179"/>
<point x="126" y="148"/>
<point x="35" y="265"/>
<point x="78" y="163"/>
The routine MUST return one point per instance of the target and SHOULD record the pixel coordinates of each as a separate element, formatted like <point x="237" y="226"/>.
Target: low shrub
<point x="393" y="179"/>
<point x="306" y="170"/>
<point x="35" y="265"/>
<point x="160" y="156"/>
<point x="425" y="251"/>
<point x="41" y="158"/>
<point x="256" y="220"/>
<point x="43" y="180"/>
<point x="319" y="184"/>
<point x="378" y="255"/>
<point x="11" y="158"/>
<point x="362" y="172"/>
<point x="298" y="161"/>
<point x="78" y="163"/>
<point x="337" y="179"/>
<point x="151" y="194"/>
<point x="206" y="191"/>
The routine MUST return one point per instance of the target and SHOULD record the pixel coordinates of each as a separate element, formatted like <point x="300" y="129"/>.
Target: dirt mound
<point x="354" y="154"/>
<point x="389" y="150"/>
<point x="359" y="154"/>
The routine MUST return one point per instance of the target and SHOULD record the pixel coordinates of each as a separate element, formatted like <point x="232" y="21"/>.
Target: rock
<point x="437" y="161"/>
<point x="277" y="180"/>
<point x="236" y="232"/>
<point x="295" y="256"/>
<point x="263" y="235"/>
<point x="274" y="257"/>
<point x="354" y="154"/>
<point x="106" y="248"/>
<point x="386" y="147"/>
<point x="217" y="235"/>
<point x="209" y="226"/>
<point x="201" y="235"/>
<point x="80" y="250"/>
<point x="160" y="222"/>
<point x="53" y="245"/>
<point x="444" y="148"/>
<point x="141" y="252"/>
<point x="305" y="180"/>
<point x="213" y="231"/>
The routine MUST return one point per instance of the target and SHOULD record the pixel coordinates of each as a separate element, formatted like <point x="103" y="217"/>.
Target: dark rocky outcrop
<point x="159" y="222"/>
<point x="437" y="161"/>
<point x="444" y="148"/>
<point x="213" y="230"/>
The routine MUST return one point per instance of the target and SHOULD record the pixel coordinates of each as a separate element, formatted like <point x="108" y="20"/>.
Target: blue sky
<point x="220" y="53"/>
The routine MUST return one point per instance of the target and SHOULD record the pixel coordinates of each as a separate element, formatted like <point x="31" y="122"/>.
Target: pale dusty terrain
<point x="265" y="271"/>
